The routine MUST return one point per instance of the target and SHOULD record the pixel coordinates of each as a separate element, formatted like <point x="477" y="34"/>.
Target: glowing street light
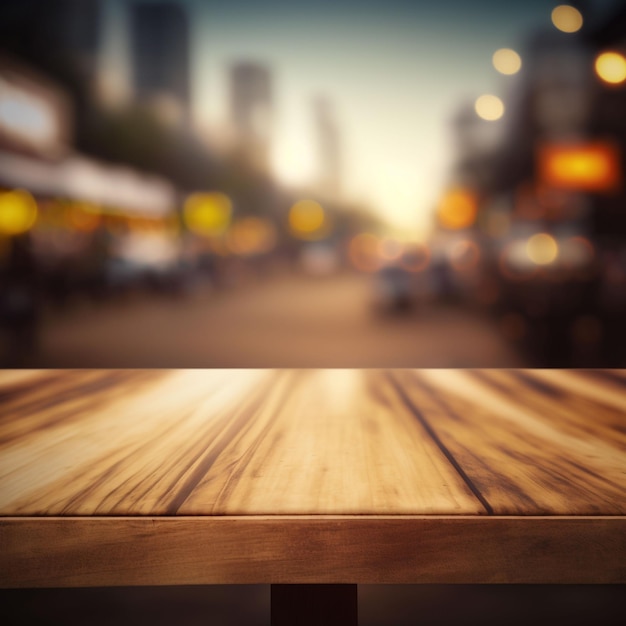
<point x="18" y="212"/>
<point x="567" y="18"/>
<point x="307" y="220"/>
<point x="489" y="107"/>
<point x="507" y="61"/>
<point x="611" y="67"/>
<point x="457" y="209"/>
<point x="542" y="249"/>
<point x="208" y="213"/>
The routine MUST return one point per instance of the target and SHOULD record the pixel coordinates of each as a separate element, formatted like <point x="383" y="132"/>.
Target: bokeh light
<point x="18" y="212"/>
<point x="489" y="107"/>
<point x="611" y="67"/>
<point x="542" y="249"/>
<point x="585" y="167"/>
<point x="567" y="18"/>
<point x="363" y="252"/>
<point x="208" y="213"/>
<point x="507" y="61"/>
<point x="576" y="253"/>
<point x="83" y="217"/>
<point x="251" y="235"/>
<point x="307" y="220"/>
<point x="458" y="209"/>
<point x="514" y="263"/>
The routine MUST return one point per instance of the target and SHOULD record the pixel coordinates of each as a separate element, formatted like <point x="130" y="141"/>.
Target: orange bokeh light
<point x="364" y="252"/>
<point x="458" y="209"/>
<point x="582" y="167"/>
<point x="251" y="235"/>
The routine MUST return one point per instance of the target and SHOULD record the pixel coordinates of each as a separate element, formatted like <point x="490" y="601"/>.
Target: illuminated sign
<point x="593" y="167"/>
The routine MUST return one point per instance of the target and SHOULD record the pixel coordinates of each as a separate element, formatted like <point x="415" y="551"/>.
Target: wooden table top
<point x="218" y="476"/>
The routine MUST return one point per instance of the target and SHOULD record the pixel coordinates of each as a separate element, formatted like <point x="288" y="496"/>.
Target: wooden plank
<point x="220" y="442"/>
<point x="82" y="552"/>
<point x="338" y="442"/>
<point x="528" y="444"/>
<point x="113" y="441"/>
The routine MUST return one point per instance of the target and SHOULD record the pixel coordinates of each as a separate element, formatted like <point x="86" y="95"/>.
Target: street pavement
<point x="272" y="321"/>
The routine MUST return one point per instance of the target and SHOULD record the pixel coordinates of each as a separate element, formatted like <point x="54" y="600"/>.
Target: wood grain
<point x="329" y="476"/>
<point x="202" y="442"/>
<point x="81" y="552"/>
<point x="529" y="445"/>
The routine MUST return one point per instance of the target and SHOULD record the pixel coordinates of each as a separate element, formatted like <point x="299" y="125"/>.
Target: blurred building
<point x="61" y="37"/>
<point x="549" y="187"/>
<point x="160" y="57"/>
<point x="328" y="148"/>
<point x="251" y="111"/>
<point x="80" y="28"/>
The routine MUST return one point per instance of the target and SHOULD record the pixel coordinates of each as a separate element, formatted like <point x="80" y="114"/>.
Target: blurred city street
<point x="278" y="321"/>
<point x="214" y="184"/>
<point x="328" y="184"/>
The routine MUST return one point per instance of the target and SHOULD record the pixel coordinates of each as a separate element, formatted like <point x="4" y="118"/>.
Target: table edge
<point x="152" y="550"/>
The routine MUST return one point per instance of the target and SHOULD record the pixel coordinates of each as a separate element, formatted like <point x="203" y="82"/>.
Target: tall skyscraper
<point x="160" y="51"/>
<point x="251" y="110"/>
<point x="328" y="147"/>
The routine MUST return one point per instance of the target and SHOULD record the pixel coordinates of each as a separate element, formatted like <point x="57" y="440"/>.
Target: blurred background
<point x="233" y="183"/>
<point x="398" y="183"/>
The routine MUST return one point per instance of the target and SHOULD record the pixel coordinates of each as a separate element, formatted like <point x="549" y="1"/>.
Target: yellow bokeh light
<point x="489" y="107"/>
<point x="458" y="209"/>
<point x="542" y="249"/>
<point x="611" y="67"/>
<point x="18" y="212"/>
<point x="567" y="18"/>
<point x="307" y="219"/>
<point x="507" y="61"/>
<point x="208" y="213"/>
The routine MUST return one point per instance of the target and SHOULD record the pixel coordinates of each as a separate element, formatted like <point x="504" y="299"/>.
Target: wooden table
<point x="293" y="477"/>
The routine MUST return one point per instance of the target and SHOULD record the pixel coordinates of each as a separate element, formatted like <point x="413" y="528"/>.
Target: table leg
<point x="314" y="605"/>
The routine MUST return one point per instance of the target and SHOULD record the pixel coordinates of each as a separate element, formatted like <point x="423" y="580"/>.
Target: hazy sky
<point x="396" y="71"/>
